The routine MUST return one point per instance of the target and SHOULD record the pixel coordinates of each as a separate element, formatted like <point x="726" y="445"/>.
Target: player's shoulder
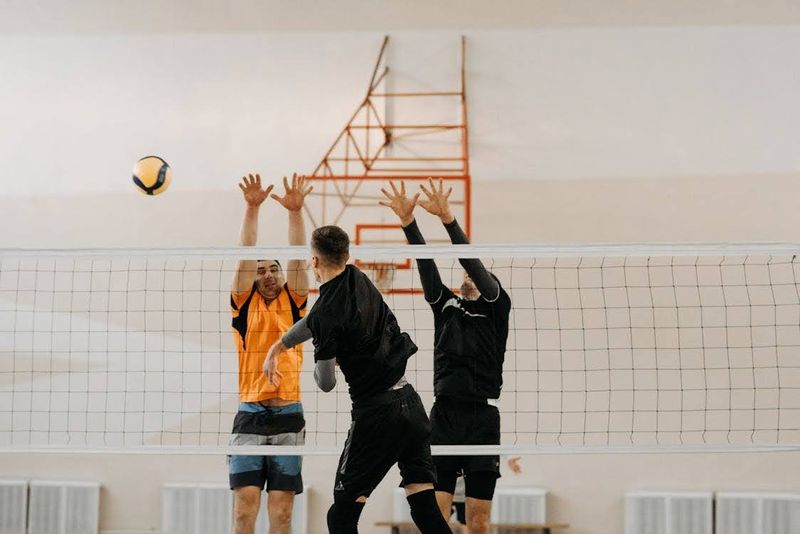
<point x="363" y="285"/>
<point x="444" y="295"/>
<point x="356" y="274"/>
<point x="290" y="294"/>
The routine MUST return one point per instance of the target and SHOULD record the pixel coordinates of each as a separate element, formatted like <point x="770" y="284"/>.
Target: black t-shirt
<point x="351" y="322"/>
<point x="469" y="345"/>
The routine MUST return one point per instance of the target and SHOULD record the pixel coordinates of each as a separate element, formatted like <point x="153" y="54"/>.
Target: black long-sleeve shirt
<point x="469" y="335"/>
<point x="351" y="322"/>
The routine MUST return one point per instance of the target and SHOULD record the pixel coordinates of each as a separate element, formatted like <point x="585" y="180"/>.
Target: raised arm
<point x="438" y="204"/>
<point x="254" y="196"/>
<point x="292" y="200"/>
<point x="404" y="209"/>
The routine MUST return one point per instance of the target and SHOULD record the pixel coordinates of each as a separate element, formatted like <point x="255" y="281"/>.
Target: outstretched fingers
<point x="301" y="185"/>
<point x="428" y="192"/>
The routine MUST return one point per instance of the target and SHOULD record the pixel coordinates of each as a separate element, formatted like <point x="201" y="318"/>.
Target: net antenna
<point x="395" y="134"/>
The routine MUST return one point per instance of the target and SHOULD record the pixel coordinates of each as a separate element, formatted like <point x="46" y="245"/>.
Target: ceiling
<point x="120" y="16"/>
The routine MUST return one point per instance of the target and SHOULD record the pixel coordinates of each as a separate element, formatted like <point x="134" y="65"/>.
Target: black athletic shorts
<point x="388" y="429"/>
<point x="458" y="422"/>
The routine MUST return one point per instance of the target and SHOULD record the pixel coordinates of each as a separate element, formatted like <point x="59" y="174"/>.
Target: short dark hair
<point x="276" y="261"/>
<point x="332" y="244"/>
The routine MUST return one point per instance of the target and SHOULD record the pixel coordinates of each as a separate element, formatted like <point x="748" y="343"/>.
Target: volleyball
<point x="152" y="175"/>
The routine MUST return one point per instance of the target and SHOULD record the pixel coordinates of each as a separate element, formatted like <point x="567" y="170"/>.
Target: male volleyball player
<point x="470" y="335"/>
<point x="351" y="324"/>
<point x="266" y="302"/>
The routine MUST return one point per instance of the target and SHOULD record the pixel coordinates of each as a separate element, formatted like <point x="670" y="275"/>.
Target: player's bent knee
<point x="411" y="489"/>
<point x="426" y="514"/>
<point x="343" y="516"/>
<point x="445" y="502"/>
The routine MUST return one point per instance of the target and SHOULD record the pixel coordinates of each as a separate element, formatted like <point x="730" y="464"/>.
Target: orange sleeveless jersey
<point x="256" y="326"/>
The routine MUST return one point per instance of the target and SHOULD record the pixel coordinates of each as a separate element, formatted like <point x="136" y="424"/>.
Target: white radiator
<point x="653" y="512"/>
<point x="13" y="506"/>
<point x="196" y="509"/>
<point x="510" y="505"/>
<point x="56" y="507"/>
<point x="208" y="509"/>
<point x="758" y="513"/>
<point x="519" y="505"/>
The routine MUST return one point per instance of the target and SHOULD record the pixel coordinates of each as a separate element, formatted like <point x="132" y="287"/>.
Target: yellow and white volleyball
<point x="152" y="175"/>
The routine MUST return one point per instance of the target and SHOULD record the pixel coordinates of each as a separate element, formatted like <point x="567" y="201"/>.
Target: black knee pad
<point x="343" y="516"/>
<point x="480" y="485"/>
<point x="426" y="514"/>
<point x="446" y="481"/>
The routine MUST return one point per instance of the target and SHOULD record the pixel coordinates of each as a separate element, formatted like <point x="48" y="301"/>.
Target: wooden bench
<point x="542" y="528"/>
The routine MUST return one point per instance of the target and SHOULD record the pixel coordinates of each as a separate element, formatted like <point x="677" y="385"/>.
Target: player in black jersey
<point x="351" y="324"/>
<point x="470" y="335"/>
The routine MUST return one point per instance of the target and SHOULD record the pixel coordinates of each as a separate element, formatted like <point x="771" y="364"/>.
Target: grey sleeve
<point x="484" y="281"/>
<point x="297" y="334"/>
<point x="325" y="374"/>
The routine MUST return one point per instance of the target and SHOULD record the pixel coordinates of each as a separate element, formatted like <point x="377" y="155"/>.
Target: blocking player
<point x="470" y="333"/>
<point x="266" y="302"/>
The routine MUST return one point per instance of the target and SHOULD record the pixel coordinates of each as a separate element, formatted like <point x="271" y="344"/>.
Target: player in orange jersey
<point x="266" y="301"/>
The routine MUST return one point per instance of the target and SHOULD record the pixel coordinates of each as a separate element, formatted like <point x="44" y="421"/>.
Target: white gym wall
<point x="588" y="123"/>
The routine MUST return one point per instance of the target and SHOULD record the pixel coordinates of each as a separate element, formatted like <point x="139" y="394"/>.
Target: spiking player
<point x="351" y="324"/>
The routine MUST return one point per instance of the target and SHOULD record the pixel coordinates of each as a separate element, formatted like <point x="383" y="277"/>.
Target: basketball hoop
<point x="382" y="275"/>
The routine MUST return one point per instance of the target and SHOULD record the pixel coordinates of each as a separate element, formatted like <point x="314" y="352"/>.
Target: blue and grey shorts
<point x="255" y="425"/>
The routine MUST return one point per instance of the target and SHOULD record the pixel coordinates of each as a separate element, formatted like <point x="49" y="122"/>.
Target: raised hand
<point x="513" y="464"/>
<point x="294" y="195"/>
<point x="437" y="203"/>
<point x="400" y="203"/>
<point x="251" y="187"/>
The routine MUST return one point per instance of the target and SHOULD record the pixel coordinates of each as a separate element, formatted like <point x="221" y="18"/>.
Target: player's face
<point x="269" y="278"/>
<point x="468" y="289"/>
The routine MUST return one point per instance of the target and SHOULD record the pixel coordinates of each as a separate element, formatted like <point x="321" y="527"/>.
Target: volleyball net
<point x="610" y="348"/>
